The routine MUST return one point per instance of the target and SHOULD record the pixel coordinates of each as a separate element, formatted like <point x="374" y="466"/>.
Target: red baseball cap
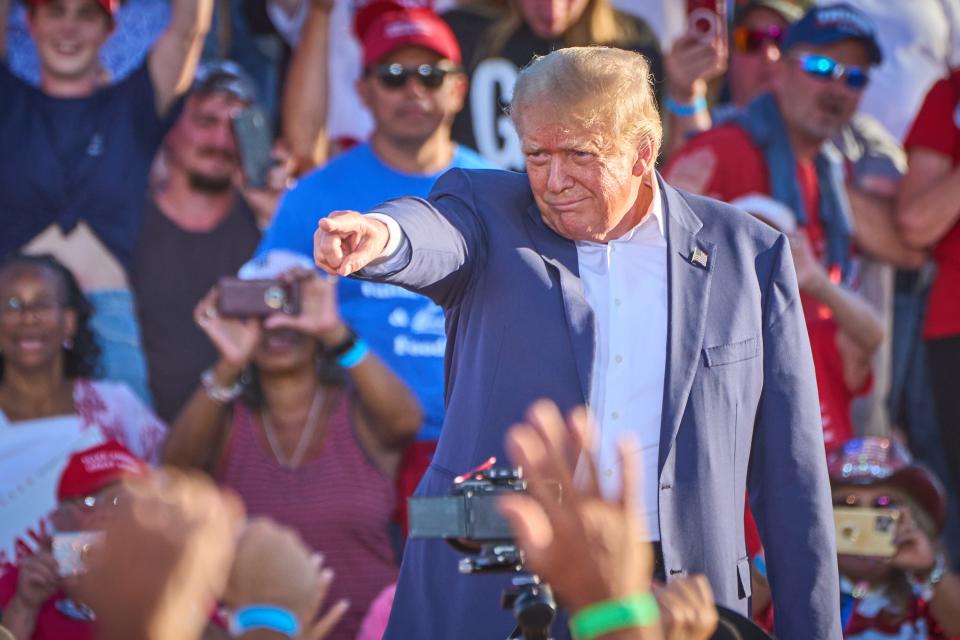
<point x="384" y="26"/>
<point x="110" y="6"/>
<point x="90" y="470"/>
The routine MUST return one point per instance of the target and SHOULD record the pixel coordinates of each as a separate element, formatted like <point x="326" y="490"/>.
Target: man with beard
<point x="196" y="228"/>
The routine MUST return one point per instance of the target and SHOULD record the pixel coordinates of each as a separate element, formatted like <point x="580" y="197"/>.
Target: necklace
<point x="309" y="427"/>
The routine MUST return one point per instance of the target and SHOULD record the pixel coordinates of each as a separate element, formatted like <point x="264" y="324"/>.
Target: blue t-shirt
<point x="67" y="160"/>
<point x="403" y="328"/>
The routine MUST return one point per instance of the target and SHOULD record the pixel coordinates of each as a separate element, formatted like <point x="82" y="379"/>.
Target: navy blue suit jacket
<point x="740" y="408"/>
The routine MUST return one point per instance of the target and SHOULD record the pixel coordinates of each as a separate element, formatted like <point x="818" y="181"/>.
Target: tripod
<point x="529" y="598"/>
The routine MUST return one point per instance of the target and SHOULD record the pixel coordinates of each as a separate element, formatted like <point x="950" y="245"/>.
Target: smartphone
<point x="866" y="532"/>
<point x="70" y="551"/>
<point x="251" y="129"/>
<point x="707" y="19"/>
<point x="257" y="298"/>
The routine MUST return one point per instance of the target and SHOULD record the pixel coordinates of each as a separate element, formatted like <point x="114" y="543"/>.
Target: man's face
<point x="202" y="145"/>
<point x="818" y="107"/>
<point x="549" y="19"/>
<point x="754" y="54"/>
<point x="412" y="113"/>
<point x="87" y="513"/>
<point x="69" y="35"/>
<point x="585" y="190"/>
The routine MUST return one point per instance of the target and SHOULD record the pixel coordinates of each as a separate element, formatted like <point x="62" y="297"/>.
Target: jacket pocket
<point x="743" y="577"/>
<point x="732" y="352"/>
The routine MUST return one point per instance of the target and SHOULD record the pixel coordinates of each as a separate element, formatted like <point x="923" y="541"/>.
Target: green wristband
<point x="640" y="610"/>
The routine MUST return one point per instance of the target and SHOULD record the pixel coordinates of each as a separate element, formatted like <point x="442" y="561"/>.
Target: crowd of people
<point x="228" y="356"/>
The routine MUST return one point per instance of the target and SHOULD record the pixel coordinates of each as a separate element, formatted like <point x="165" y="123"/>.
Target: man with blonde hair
<point x="674" y="317"/>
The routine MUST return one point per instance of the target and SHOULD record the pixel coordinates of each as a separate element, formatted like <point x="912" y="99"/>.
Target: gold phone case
<point x="866" y="532"/>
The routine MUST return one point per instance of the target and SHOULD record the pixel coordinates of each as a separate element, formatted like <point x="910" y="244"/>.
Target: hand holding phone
<point x="251" y="129"/>
<point x="706" y="19"/>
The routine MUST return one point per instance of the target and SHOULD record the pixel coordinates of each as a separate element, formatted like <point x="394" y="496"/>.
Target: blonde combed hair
<point x="598" y="24"/>
<point x="603" y="89"/>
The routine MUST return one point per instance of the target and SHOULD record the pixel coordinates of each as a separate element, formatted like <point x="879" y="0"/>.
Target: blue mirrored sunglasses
<point x="827" y="68"/>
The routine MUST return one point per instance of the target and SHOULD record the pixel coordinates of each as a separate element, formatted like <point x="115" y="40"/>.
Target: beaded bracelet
<point x="639" y="610"/>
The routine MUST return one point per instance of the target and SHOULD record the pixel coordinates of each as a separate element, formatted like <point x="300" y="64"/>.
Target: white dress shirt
<point x="625" y="284"/>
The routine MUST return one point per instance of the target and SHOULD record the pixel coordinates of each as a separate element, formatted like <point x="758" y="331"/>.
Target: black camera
<point x="469" y="521"/>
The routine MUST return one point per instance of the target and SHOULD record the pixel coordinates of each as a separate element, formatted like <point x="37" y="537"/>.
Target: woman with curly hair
<point x="48" y="358"/>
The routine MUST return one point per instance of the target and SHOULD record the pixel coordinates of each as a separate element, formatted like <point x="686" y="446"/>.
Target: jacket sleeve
<point x="444" y="243"/>
<point x="788" y="483"/>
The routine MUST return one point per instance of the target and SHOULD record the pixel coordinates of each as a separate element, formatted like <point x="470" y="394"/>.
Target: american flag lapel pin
<point x="699" y="257"/>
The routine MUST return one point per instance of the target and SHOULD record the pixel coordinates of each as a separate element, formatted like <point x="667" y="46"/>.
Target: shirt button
<point x="608" y="472"/>
<point x="616" y="302"/>
<point x="615" y="415"/>
<point x="612" y="248"/>
<point x="618" y="359"/>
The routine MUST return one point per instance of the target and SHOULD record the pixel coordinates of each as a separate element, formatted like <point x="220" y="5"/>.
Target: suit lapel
<point x="561" y="254"/>
<point x="690" y="263"/>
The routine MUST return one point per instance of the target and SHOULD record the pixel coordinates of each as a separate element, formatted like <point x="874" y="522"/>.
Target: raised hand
<point x="687" y="611"/>
<point x="165" y="558"/>
<point x="347" y="241"/>
<point x="589" y="549"/>
<point x="916" y="552"/>
<point x="235" y="339"/>
<point x="274" y="566"/>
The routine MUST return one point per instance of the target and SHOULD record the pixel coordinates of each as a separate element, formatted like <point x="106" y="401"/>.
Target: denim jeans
<point x="911" y="397"/>
<point x="117" y="330"/>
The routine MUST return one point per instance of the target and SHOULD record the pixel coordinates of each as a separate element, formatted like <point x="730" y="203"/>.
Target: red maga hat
<point x="91" y="470"/>
<point x="110" y="6"/>
<point x="384" y="26"/>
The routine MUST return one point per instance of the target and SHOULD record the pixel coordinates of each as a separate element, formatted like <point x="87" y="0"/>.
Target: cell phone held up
<point x="251" y="130"/>
<point x="706" y="19"/>
<point x="238" y="298"/>
<point x="866" y="532"/>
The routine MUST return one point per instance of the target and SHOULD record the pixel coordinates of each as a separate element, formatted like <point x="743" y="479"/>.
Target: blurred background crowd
<point x="151" y="149"/>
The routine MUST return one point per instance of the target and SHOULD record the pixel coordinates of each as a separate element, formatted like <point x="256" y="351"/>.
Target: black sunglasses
<point x="394" y="76"/>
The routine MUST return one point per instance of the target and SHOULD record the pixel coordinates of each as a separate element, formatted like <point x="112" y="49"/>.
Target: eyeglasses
<point x="98" y="500"/>
<point x="880" y="502"/>
<point x="395" y="76"/>
<point x="826" y="68"/>
<point x="13" y="309"/>
<point x="752" y="40"/>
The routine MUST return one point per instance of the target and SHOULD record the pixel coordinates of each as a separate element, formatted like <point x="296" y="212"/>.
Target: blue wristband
<point x="264" y="616"/>
<point x="685" y="110"/>
<point x="355" y="355"/>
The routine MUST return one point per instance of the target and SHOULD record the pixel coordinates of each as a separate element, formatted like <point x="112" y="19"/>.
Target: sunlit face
<point x="33" y="319"/>
<point x="69" y="35"/>
<point x="752" y="72"/>
<point x="585" y="190"/>
<point x="411" y="114"/>
<point x="816" y="107"/>
<point x="202" y="144"/>
<point x="549" y="19"/>
<point x="867" y="568"/>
